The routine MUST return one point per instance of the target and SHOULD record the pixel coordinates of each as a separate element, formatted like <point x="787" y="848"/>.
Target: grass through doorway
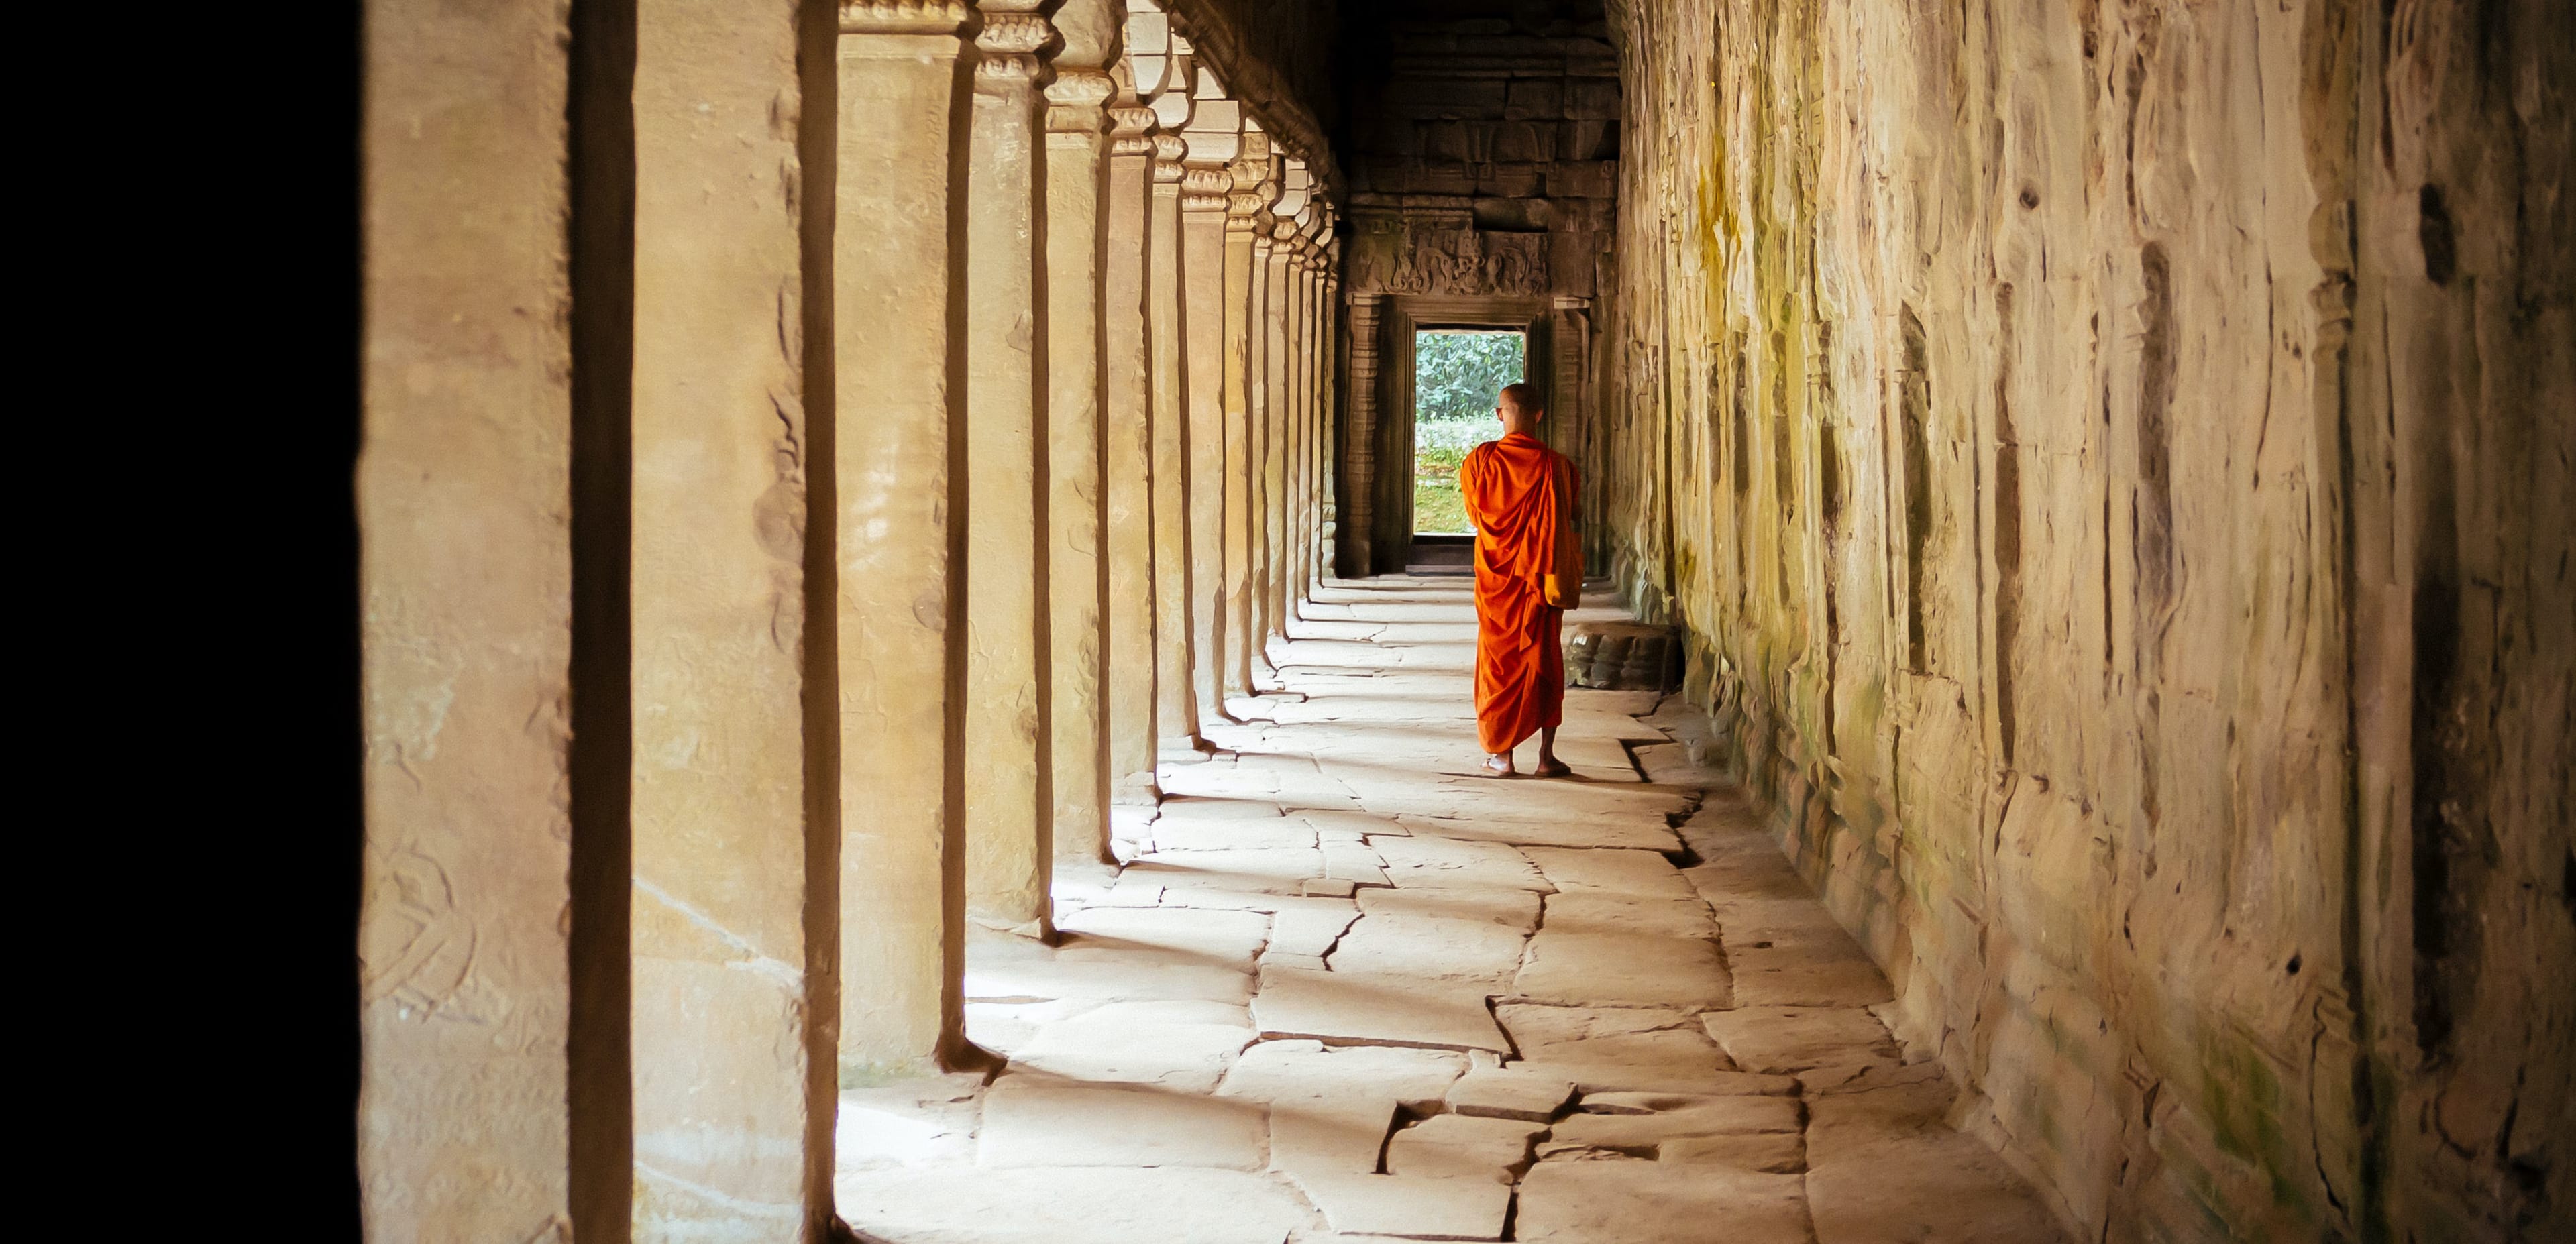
<point x="1456" y="373"/>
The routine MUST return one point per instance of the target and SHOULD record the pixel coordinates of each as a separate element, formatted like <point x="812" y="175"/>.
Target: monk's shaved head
<point x="1519" y="407"/>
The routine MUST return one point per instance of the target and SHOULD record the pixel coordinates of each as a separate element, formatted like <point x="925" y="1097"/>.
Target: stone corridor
<point x="1340" y="986"/>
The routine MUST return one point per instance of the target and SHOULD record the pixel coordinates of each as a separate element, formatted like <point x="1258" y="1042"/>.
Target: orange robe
<point x="1518" y="492"/>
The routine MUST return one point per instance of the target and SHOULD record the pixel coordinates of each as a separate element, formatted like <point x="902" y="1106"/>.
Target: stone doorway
<point x="1405" y="321"/>
<point x="1456" y="374"/>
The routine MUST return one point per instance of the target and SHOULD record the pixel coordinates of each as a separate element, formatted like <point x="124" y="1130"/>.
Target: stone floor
<point x="1344" y="988"/>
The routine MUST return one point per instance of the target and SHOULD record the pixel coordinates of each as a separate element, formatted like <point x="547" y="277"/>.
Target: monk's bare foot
<point x="1550" y="766"/>
<point x="1499" y="766"/>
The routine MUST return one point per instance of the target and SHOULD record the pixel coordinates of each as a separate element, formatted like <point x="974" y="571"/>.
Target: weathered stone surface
<point x="1031" y="1120"/>
<point x="1998" y="567"/>
<point x="1781" y="1153"/>
<point x="1348" y="1007"/>
<point x="1213" y="937"/>
<point x="1642" y="874"/>
<point x="1083" y="1205"/>
<point x="1509" y="1093"/>
<point x="1410" y="1206"/>
<point x="1429" y="936"/>
<point x="1882" y="1165"/>
<point x="1656" y="1203"/>
<point x="1425" y="861"/>
<point x="913" y="1123"/>
<point x="1622" y="969"/>
<point x="1642" y="1131"/>
<point x="1463" y="1146"/>
<point x="1330" y="1109"/>
<point x="1790" y="1039"/>
<point x="1182" y="1046"/>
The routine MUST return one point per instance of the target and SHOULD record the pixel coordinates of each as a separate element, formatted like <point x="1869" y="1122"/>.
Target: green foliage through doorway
<point x="1456" y="375"/>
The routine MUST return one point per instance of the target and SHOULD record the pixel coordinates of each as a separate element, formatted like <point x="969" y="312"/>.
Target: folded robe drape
<point x="1519" y="493"/>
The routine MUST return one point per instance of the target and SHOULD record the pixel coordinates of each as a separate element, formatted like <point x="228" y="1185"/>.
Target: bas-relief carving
<point x="1397" y="258"/>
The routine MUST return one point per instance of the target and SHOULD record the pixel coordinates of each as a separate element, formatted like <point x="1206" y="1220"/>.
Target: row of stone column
<point x="976" y="429"/>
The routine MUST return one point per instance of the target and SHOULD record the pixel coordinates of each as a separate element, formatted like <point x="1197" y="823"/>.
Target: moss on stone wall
<point x="2069" y="434"/>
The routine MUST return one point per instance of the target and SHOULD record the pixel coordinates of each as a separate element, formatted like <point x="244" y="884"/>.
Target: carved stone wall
<point x="2111" y="465"/>
<point x="1482" y="152"/>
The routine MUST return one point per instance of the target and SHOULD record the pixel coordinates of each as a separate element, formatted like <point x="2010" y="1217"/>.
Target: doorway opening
<point x="1456" y="374"/>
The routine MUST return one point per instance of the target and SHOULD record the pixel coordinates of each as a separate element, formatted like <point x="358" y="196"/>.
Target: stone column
<point x="727" y="1005"/>
<point x="1176" y="703"/>
<point x="1301" y="493"/>
<point x="1243" y="224"/>
<point x="898" y="559"/>
<point x="1278" y="366"/>
<point x="1356" y="452"/>
<point x="1341" y="338"/>
<point x="1569" y="340"/>
<point x="1009" y="810"/>
<point x="1214" y="135"/>
<point x="465" y="566"/>
<point x="1128" y="419"/>
<point x="1259" y="398"/>
<point x="1077" y="572"/>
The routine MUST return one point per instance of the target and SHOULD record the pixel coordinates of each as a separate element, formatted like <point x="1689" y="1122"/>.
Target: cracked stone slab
<point x="1331" y="1109"/>
<point x="1791" y="1039"/>
<point x="1425" y="861"/>
<point x="1509" y="1093"/>
<point x="1882" y="1166"/>
<point x="1056" y="1205"/>
<point x="914" y="1123"/>
<point x="1646" y="833"/>
<point x="1590" y="911"/>
<point x="1642" y="874"/>
<point x="1181" y="1046"/>
<point x="1310" y="928"/>
<point x="1637" y="1202"/>
<point x="1252" y="870"/>
<point x="1623" y="969"/>
<point x="1410" y="1207"/>
<point x="1778" y="1153"/>
<point x="1358" y="1008"/>
<point x="1173" y="934"/>
<point x="1031" y="1120"/>
<point x="1395" y="939"/>
<point x="1702" y="1116"/>
<point x="1462" y="1146"/>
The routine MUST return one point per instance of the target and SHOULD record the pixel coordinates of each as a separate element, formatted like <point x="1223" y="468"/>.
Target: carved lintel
<point x="904" y="17"/>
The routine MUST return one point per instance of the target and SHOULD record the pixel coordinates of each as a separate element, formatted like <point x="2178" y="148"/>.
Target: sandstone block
<point x="1462" y="1146"/>
<point x="1622" y="969"/>
<point x="1657" y="1203"/>
<point x="1085" y="1205"/>
<point x="1353" y="1007"/>
<point x="1180" y="1046"/>
<point x="1592" y="99"/>
<point x="1509" y="1093"/>
<point x="1791" y="1039"/>
<point x="1778" y="1152"/>
<point x="1534" y="98"/>
<point x="1716" y="1115"/>
<point x="1589" y="179"/>
<point x="1035" y="1121"/>
<point x="1414" y="1207"/>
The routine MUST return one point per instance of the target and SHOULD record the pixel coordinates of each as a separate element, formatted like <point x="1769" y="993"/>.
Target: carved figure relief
<point x="1398" y="258"/>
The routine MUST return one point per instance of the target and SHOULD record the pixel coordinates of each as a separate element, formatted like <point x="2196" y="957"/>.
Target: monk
<point x="1520" y="498"/>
